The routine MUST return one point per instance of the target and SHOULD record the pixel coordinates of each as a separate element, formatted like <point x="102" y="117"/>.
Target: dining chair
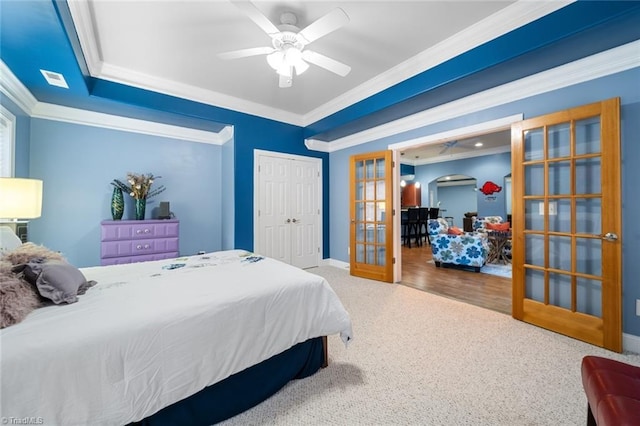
<point x="423" y="218"/>
<point x="413" y="226"/>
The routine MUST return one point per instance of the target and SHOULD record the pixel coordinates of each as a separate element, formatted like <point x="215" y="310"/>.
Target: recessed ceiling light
<point x="478" y="144"/>
<point x="55" y="79"/>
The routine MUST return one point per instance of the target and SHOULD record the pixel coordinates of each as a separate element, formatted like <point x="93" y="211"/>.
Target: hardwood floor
<point x="484" y="290"/>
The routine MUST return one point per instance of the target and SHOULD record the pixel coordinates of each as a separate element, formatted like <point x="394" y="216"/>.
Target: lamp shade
<point x="20" y="198"/>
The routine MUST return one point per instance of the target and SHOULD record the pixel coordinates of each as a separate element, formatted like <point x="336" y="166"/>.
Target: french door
<point x="287" y="226"/>
<point x="371" y="230"/>
<point x="567" y="222"/>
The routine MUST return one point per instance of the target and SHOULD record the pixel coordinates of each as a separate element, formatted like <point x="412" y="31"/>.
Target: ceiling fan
<point x="456" y="143"/>
<point x="288" y="52"/>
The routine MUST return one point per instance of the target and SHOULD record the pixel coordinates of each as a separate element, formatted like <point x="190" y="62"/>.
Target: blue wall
<point x="77" y="164"/>
<point x="257" y="133"/>
<point x="486" y="168"/>
<point x="228" y="195"/>
<point x="624" y="85"/>
<point x="457" y="200"/>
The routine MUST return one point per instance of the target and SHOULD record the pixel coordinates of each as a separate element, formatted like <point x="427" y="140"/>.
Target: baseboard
<point x="631" y="343"/>
<point x="335" y="263"/>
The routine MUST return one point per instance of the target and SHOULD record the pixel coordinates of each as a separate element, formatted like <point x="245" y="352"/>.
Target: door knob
<point x="609" y="236"/>
<point x="288" y="221"/>
<point x="294" y="220"/>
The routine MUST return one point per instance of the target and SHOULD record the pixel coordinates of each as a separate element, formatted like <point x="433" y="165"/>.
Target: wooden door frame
<point x="257" y="153"/>
<point x="479" y="129"/>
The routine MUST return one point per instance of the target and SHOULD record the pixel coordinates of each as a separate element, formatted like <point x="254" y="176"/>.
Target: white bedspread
<point x="147" y="336"/>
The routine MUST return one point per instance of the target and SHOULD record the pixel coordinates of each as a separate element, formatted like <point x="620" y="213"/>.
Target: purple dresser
<point x="128" y="241"/>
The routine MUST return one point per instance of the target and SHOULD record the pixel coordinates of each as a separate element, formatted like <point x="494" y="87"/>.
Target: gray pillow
<point x="55" y="280"/>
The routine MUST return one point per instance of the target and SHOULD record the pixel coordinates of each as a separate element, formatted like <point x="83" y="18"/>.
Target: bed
<point x="170" y="340"/>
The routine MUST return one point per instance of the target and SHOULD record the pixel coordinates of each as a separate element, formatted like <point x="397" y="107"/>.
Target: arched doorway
<point x="455" y="195"/>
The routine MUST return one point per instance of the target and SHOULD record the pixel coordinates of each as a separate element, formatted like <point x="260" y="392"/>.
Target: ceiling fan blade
<point x="323" y="26"/>
<point x="285" y="81"/>
<point x="256" y="16"/>
<point x="326" y="63"/>
<point x="447" y="146"/>
<point x="243" y="53"/>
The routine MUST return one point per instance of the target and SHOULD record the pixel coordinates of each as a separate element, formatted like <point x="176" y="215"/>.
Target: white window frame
<point x="7" y="142"/>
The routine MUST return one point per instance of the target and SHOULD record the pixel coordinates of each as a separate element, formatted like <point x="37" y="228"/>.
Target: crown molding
<point x="156" y="84"/>
<point x="459" y="133"/>
<point x="514" y="16"/>
<point x="81" y="15"/>
<point x="316" y="145"/>
<point x="609" y="62"/>
<point x="462" y="155"/>
<point x="13" y="89"/>
<point x="226" y="134"/>
<point x="97" y="119"/>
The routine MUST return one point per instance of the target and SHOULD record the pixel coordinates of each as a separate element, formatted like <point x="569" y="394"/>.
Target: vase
<point x="141" y="205"/>
<point x="117" y="204"/>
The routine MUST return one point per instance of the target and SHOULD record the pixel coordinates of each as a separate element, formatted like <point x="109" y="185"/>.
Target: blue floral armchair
<point x="468" y="249"/>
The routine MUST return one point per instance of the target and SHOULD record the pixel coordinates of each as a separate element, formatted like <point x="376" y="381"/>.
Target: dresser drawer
<point x="138" y="247"/>
<point x="134" y="259"/>
<point x="130" y="230"/>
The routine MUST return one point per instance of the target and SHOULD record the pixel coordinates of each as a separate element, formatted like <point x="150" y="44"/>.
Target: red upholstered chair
<point x="613" y="392"/>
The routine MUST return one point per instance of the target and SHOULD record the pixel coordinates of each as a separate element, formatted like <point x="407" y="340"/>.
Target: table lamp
<point x="19" y="199"/>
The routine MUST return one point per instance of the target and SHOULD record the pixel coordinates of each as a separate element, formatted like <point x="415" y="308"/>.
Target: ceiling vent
<point x="54" y="78"/>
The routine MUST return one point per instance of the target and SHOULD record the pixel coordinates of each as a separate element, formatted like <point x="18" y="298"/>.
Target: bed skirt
<point x="242" y="390"/>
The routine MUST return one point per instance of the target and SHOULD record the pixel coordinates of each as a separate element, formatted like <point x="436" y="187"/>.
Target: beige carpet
<point x="420" y="359"/>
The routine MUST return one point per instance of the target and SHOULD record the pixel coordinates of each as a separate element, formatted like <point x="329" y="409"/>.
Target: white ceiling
<point x="172" y="46"/>
<point x="456" y="149"/>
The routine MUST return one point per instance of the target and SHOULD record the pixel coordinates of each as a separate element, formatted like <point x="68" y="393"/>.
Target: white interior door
<point x="273" y="214"/>
<point x="288" y="225"/>
<point x="305" y="213"/>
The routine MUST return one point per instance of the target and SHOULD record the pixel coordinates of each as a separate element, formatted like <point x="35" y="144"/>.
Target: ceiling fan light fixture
<point x="292" y="56"/>
<point x="275" y="59"/>
<point x="301" y="67"/>
<point x="285" y="70"/>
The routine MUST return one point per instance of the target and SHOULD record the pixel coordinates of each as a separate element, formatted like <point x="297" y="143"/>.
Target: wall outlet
<point x="349" y="251"/>
<point x="638" y="307"/>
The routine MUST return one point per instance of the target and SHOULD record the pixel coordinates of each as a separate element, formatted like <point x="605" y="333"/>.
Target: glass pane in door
<point x="588" y="176"/>
<point x="534" y="144"/>
<point x="588" y="136"/>
<point x="588" y="216"/>
<point x="589" y="297"/>
<point x="559" y="140"/>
